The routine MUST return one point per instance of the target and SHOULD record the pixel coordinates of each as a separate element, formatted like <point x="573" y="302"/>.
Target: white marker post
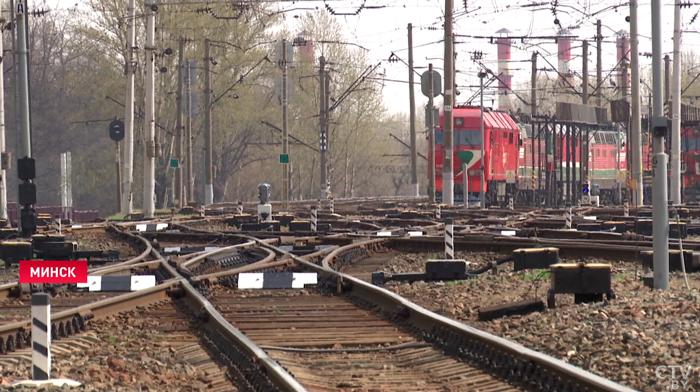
<point x="240" y="208"/>
<point x="41" y="336"/>
<point x="510" y="204"/>
<point x="568" y="218"/>
<point x="437" y="211"/>
<point x="57" y="223"/>
<point x="449" y="239"/>
<point x="314" y="218"/>
<point x="332" y="206"/>
<point x="318" y="204"/>
<point x="626" y="209"/>
<point x="41" y="345"/>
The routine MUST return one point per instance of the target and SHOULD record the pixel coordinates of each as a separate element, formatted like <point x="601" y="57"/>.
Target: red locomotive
<point x="502" y="149"/>
<point x="509" y="153"/>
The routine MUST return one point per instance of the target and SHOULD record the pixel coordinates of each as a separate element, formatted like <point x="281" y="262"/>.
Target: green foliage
<point x="541" y="274"/>
<point x="78" y="86"/>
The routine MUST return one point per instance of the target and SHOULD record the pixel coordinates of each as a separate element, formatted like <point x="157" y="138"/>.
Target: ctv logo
<point x="40" y="271"/>
<point x="676" y="377"/>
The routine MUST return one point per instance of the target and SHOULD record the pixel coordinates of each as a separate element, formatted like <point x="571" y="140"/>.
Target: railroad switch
<point x="239" y="220"/>
<point x="13" y="252"/>
<point x="691" y="259"/>
<point x="187" y="210"/>
<point x="263" y="226"/>
<point x="646" y="226"/>
<point x="589" y="226"/>
<point x="285" y="219"/>
<point x="435" y="270"/>
<point x="7" y="233"/>
<point x="616" y="226"/>
<point x="534" y="258"/>
<point x="300" y="226"/>
<point x="588" y="282"/>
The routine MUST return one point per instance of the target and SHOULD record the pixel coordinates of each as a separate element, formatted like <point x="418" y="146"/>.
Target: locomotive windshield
<point x="461" y="138"/>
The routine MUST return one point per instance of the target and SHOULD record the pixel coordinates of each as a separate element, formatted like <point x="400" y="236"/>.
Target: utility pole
<point x="26" y="164"/>
<point x="149" y="156"/>
<point x="127" y="202"/>
<point x="585" y="72"/>
<point x="676" y="108"/>
<point x="448" y="122"/>
<point x="322" y="124"/>
<point x="189" y="188"/>
<point x="3" y="173"/>
<point x="285" y="128"/>
<point x="482" y="194"/>
<point x="533" y="86"/>
<point x="659" y="130"/>
<point x="667" y="77"/>
<point x="412" y="98"/>
<point x="208" y="170"/>
<point x="599" y="63"/>
<point x="179" y="193"/>
<point x="431" y="135"/>
<point x="636" y="120"/>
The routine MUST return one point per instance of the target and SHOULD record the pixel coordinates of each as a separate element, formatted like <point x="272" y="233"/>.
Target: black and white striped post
<point x="510" y="203"/>
<point x="41" y="336"/>
<point x="568" y="218"/>
<point x="202" y="212"/>
<point x="240" y="208"/>
<point x="437" y="212"/>
<point x="331" y="205"/>
<point x="314" y="218"/>
<point x="57" y="223"/>
<point x="318" y="204"/>
<point x="626" y="209"/>
<point x="449" y="239"/>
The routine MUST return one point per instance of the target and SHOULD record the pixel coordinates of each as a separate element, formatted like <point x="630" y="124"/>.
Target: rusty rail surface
<point x="504" y="357"/>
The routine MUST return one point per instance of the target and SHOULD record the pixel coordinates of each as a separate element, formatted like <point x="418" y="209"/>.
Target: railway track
<point x="330" y="342"/>
<point x="343" y="334"/>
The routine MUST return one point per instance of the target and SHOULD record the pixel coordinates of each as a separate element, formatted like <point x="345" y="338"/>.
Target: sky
<point x="381" y="27"/>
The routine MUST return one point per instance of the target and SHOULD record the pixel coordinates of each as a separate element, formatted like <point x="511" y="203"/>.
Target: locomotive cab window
<point x="510" y="138"/>
<point x="440" y="140"/>
<point x="469" y="138"/>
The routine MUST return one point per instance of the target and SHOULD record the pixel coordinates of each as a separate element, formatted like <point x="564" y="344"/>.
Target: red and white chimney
<point x="564" y="54"/>
<point x="504" y="85"/>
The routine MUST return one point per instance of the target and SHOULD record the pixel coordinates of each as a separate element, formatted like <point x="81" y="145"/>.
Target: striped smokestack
<point x="504" y="85"/>
<point x="564" y="55"/>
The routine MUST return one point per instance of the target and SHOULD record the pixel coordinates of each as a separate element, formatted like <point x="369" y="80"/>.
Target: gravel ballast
<point x="625" y="339"/>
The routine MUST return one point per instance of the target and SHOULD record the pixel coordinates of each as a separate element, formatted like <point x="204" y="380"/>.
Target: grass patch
<point x="621" y="277"/>
<point x="455" y="282"/>
<point x="434" y="256"/>
<point x="116" y="217"/>
<point x="542" y="274"/>
<point x="112" y="340"/>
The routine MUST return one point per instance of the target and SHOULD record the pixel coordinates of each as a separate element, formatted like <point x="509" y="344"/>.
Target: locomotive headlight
<point x="459" y="121"/>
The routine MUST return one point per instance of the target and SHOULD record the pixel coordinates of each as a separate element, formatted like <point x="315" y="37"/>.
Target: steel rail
<point x="258" y="357"/>
<point x="7" y="289"/>
<point x="428" y="320"/>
